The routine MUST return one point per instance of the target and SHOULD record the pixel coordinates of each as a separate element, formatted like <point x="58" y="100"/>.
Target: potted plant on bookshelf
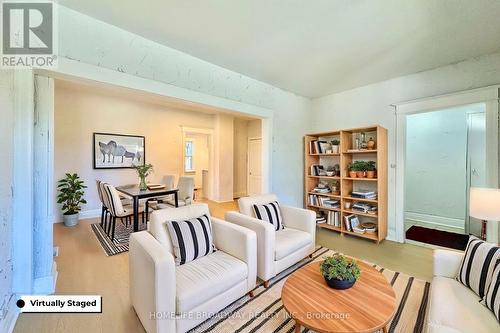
<point x="359" y="167"/>
<point x="352" y="170"/>
<point x="370" y="169"/>
<point x="330" y="171"/>
<point x="339" y="271"/>
<point x="335" y="146"/>
<point x="71" y="192"/>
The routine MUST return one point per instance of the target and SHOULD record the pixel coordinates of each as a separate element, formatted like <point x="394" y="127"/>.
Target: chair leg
<point x="266" y="284"/>
<point x="147" y="211"/>
<point x="113" y="231"/>
<point x="251" y="294"/>
<point x="102" y="216"/>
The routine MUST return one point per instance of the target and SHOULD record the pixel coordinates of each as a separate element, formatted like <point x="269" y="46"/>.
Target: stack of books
<point x="352" y="224"/>
<point x="364" y="194"/>
<point x="321" y="201"/>
<point x="334" y="219"/>
<point x="319" y="146"/>
<point x="320" y="217"/>
<point x="364" y="207"/>
<point x="322" y="187"/>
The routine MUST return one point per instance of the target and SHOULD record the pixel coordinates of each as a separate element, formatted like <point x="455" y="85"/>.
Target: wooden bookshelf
<point x="346" y="156"/>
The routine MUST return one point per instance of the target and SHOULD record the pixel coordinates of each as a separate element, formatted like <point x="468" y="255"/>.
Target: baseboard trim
<point x="435" y="222"/>
<point x="86" y="214"/>
<point x="8" y="323"/>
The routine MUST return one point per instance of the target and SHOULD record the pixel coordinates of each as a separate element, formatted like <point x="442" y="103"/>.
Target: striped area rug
<point x="265" y="313"/>
<point x="120" y="243"/>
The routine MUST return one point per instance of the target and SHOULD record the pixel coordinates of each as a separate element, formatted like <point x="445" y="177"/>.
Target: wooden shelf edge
<point x="359" y="199"/>
<point x="326" y="208"/>
<point x="365" y="235"/>
<point x="327" y="177"/>
<point x="329" y="227"/>
<point x="367" y="151"/>
<point x="375" y="216"/>
<point x="336" y="196"/>
<point x="361" y="179"/>
<point x="324" y="154"/>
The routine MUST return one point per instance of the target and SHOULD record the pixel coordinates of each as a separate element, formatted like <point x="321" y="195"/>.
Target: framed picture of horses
<point x="118" y="151"/>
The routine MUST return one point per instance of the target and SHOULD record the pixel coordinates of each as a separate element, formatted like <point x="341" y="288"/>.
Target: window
<point x="188" y="156"/>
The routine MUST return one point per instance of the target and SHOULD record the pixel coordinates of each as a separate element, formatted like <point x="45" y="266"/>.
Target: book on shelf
<point x="351" y="222"/>
<point x="317" y="170"/>
<point x="322" y="201"/>
<point x="333" y="219"/>
<point x="318" y="147"/>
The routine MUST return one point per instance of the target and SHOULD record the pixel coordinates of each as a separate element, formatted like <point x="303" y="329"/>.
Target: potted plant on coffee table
<point x="71" y="192"/>
<point x="340" y="272"/>
<point x="370" y="169"/>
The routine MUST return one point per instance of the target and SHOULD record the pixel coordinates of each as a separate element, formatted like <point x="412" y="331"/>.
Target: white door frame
<point x="248" y="159"/>
<point x="489" y="96"/>
<point x="211" y="152"/>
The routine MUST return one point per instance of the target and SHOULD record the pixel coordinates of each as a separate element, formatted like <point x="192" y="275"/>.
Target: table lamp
<point x="484" y="204"/>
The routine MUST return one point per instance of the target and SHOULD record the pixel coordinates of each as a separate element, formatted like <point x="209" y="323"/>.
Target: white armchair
<point x="277" y="250"/>
<point x="169" y="298"/>
<point x="453" y="307"/>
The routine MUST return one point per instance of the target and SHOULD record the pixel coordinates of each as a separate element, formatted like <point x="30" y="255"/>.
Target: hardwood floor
<point x="85" y="269"/>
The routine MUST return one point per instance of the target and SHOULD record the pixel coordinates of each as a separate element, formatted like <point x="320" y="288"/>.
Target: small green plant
<point x="358" y="166"/>
<point x="71" y="192"/>
<point x="335" y="142"/>
<point x="340" y="267"/>
<point x="370" y="166"/>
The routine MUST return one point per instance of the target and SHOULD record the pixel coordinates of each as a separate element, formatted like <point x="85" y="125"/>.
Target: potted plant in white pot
<point x="71" y="192"/>
<point x="335" y="146"/>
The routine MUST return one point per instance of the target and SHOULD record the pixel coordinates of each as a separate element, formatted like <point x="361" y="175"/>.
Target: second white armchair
<point x="277" y="249"/>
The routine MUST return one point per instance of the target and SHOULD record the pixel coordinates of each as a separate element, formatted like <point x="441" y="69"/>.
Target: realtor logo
<point x="28" y="34"/>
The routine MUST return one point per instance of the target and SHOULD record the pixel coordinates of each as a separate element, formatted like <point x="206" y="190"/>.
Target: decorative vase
<point x="339" y="284"/>
<point x="142" y="185"/>
<point x="352" y="174"/>
<point x="371" y="144"/>
<point x="370" y="174"/>
<point x="70" y="220"/>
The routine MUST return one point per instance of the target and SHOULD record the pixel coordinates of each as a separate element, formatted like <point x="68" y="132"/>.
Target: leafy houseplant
<point x="143" y="171"/>
<point x="339" y="271"/>
<point x="71" y="192"/>
<point x="352" y="170"/>
<point x="370" y="169"/>
<point x="335" y="146"/>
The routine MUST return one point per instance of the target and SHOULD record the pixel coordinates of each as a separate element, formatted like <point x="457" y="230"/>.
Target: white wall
<point x="436" y="153"/>
<point x="6" y="156"/>
<point x="104" y="45"/>
<point x="371" y="104"/>
<point x="80" y="111"/>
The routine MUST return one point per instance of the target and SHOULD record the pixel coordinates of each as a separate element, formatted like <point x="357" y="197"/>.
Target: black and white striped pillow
<point x="191" y="239"/>
<point x="492" y="297"/>
<point x="478" y="265"/>
<point x="270" y="213"/>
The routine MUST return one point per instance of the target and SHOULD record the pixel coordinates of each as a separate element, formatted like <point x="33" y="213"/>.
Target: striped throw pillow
<point x="270" y="212"/>
<point x="492" y="297"/>
<point x="478" y="264"/>
<point x="191" y="239"/>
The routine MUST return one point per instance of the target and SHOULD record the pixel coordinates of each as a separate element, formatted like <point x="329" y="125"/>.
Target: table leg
<point x="176" y="197"/>
<point x="297" y="327"/>
<point x="136" y="214"/>
<point x="384" y="329"/>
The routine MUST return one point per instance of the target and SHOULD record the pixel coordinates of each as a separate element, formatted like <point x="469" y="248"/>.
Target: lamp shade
<point x="485" y="203"/>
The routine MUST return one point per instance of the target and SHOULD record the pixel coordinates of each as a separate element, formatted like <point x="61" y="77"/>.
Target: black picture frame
<point x="130" y="144"/>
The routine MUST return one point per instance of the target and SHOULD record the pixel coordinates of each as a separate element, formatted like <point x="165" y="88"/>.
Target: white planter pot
<point x="335" y="149"/>
<point x="70" y="220"/>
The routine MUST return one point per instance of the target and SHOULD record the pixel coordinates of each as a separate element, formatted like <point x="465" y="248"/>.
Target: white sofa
<point x="277" y="250"/>
<point x="169" y="298"/>
<point x="453" y="307"/>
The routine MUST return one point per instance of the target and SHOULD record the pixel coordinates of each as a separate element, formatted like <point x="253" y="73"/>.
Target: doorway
<point x="254" y="177"/>
<point x="445" y="156"/>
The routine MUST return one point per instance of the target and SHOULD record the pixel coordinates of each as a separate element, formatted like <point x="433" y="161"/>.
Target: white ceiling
<point x="312" y="48"/>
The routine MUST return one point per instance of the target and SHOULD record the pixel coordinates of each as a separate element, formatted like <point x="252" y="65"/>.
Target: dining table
<point x="134" y="192"/>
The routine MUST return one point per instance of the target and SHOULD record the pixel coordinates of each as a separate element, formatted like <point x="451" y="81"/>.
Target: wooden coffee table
<point x="366" y="307"/>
